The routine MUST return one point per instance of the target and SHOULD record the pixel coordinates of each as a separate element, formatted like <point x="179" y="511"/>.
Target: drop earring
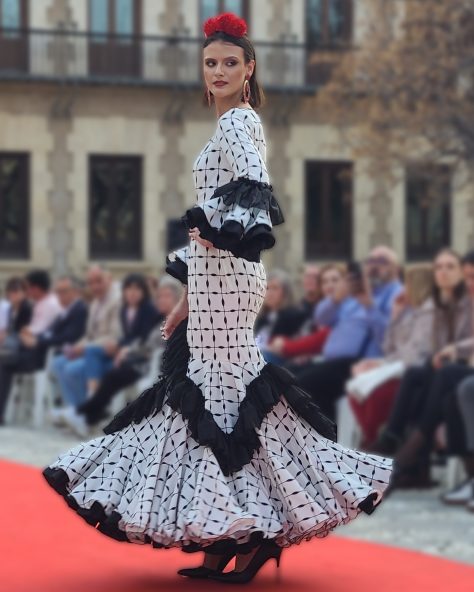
<point x="246" y="91"/>
<point x="209" y="99"/>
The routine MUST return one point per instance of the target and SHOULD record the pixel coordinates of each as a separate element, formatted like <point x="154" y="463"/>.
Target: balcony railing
<point x="96" y="58"/>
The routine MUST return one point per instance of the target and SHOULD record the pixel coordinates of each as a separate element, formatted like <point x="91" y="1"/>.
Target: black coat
<point x="21" y="318"/>
<point x="66" y="329"/>
<point x="146" y="318"/>
<point x="288" y="322"/>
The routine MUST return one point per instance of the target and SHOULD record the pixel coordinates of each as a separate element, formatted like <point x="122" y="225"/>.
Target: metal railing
<point x="93" y="58"/>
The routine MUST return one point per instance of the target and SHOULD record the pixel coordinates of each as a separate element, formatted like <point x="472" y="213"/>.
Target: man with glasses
<point x="379" y="287"/>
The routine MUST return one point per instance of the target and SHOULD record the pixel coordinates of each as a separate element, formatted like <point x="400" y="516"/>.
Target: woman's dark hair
<point x="257" y="96"/>
<point x="468" y="258"/>
<point x="138" y="280"/>
<point x="15" y="284"/>
<point x="446" y="313"/>
<point x="39" y="278"/>
<point x="459" y="289"/>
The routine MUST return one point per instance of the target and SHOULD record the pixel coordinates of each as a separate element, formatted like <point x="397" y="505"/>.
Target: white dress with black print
<point x="224" y="450"/>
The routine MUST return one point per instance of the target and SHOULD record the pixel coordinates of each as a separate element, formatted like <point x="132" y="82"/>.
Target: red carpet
<point x="45" y="547"/>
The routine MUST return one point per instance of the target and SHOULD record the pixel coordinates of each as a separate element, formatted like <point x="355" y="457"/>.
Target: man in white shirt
<point x="46" y="306"/>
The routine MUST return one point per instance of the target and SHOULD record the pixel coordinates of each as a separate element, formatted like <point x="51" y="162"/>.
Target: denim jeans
<point x="71" y="377"/>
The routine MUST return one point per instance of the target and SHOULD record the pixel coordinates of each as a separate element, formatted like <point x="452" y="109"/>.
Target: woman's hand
<point x="447" y="355"/>
<point x="120" y="356"/>
<point x="364" y="366"/>
<point x="195" y="234"/>
<point x="178" y="314"/>
<point x="276" y="345"/>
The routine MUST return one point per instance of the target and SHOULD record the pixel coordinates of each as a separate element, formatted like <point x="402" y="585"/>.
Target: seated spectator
<point x="419" y="403"/>
<point x="128" y="367"/>
<point x="69" y="325"/>
<point x="138" y="316"/>
<point x="378" y="288"/>
<point x="46" y="308"/>
<point x="19" y="316"/>
<point x="103" y="330"/>
<point x="278" y="315"/>
<point x="301" y="349"/>
<point x="311" y="291"/>
<point x="379" y="378"/>
<point x="347" y="342"/>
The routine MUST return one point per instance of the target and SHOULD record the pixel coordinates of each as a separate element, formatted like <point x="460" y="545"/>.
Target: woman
<point x="418" y="407"/>
<point x="349" y="336"/>
<point x="312" y="344"/>
<point x="19" y="315"/>
<point x="277" y="316"/>
<point x="223" y="437"/>
<point x="138" y="316"/>
<point x="129" y="366"/>
<point x="402" y="348"/>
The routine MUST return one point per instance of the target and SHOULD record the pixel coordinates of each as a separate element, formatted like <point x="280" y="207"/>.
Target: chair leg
<point x="40" y="396"/>
<point x="11" y="411"/>
<point x="348" y="433"/>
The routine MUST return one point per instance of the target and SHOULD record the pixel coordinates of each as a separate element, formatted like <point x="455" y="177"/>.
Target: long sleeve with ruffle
<point x="239" y="216"/>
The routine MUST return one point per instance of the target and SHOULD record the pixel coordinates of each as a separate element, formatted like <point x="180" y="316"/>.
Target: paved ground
<point x="410" y="519"/>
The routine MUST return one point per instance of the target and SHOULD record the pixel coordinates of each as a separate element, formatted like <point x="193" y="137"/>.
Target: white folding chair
<point x="31" y="396"/>
<point x="348" y="431"/>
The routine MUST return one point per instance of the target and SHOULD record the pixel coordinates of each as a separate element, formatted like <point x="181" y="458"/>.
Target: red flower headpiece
<point x="227" y="22"/>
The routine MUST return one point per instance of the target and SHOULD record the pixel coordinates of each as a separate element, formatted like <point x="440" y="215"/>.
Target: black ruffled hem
<point x="230" y="236"/>
<point x="249" y="193"/>
<point x="108" y="525"/>
<point x="235" y="449"/>
<point x="178" y="269"/>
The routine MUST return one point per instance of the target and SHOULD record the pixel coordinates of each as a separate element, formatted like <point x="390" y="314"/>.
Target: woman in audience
<point x="417" y="410"/>
<point x="349" y="336"/>
<point x="19" y="315"/>
<point x="279" y="315"/>
<point x="402" y="349"/>
<point x="129" y="366"/>
<point x="138" y="316"/>
<point x="301" y="349"/>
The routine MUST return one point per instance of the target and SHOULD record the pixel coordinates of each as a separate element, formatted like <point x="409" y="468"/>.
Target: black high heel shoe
<point x="267" y="551"/>
<point x="204" y="572"/>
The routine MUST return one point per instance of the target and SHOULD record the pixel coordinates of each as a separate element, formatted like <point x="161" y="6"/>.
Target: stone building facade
<point x="101" y="118"/>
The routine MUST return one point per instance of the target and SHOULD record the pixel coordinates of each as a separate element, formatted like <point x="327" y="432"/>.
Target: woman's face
<point x="165" y="300"/>
<point x="275" y="295"/>
<point x="332" y="283"/>
<point x="16" y="297"/>
<point x="447" y="271"/>
<point x="225" y="69"/>
<point x="133" y="295"/>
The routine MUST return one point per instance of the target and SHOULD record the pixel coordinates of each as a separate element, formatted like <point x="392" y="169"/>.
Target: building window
<point x="114" y="48"/>
<point x="328" y="22"/>
<point x="212" y="7"/>
<point x="428" y="210"/>
<point x="13" y="36"/>
<point x="328" y="210"/>
<point x="115" y="207"/>
<point x="14" y="206"/>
